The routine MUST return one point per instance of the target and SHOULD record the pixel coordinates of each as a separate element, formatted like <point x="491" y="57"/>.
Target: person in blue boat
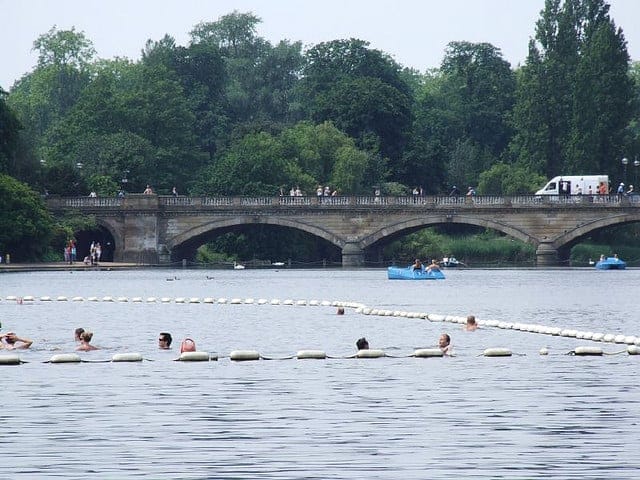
<point x="417" y="264"/>
<point x="433" y="267"/>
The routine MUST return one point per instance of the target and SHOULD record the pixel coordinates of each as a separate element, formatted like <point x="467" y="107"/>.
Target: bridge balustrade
<point x="409" y="202"/>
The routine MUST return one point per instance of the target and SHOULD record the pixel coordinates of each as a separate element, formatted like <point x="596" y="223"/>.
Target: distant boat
<point x="278" y="264"/>
<point x="611" y="263"/>
<point x="451" y="262"/>
<point x="237" y="266"/>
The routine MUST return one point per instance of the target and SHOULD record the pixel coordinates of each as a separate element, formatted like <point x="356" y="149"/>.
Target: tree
<point x="25" y="225"/>
<point x="9" y="134"/>
<point x="509" y="179"/>
<point x="480" y="86"/>
<point x="361" y="91"/>
<point x="574" y="97"/>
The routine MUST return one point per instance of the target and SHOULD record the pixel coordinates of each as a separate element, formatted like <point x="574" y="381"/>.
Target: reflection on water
<point x="465" y="417"/>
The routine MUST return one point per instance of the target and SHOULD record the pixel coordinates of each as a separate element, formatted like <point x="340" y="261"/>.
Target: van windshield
<point x="551" y="186"/>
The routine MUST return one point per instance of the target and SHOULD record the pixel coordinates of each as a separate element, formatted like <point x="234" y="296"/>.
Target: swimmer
<point x="471" y="325"/>
<point x="417" y="264"/>
<point x="85" y="342"/>
<point x="340" y="311"/>
<point x="164" y="341"/>
<point x="10" y="341"/>
<point x="362" y="344"/>
<point x="434" y="267"/>
<point x="444" y="343"/>
<point x="187" y="345"/>
<point x="78" y="331"/>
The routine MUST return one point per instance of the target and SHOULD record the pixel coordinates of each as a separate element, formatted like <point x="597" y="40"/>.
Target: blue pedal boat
<point x="408" y="273"/>
<point x="611" y="263"/>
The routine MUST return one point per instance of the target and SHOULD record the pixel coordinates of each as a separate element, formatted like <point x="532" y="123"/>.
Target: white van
<point x="575" y="185"/>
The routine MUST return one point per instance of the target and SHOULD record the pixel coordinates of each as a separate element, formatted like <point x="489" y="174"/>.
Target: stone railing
<point x="375" y="202"/>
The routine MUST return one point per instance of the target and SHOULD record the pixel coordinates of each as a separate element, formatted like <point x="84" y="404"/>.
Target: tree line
<point x="232" y="114"/>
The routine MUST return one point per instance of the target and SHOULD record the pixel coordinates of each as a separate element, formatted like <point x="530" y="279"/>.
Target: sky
<point x="414" y="32"/>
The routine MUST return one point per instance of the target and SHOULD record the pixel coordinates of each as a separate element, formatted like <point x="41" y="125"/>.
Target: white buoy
<point x="588" y="350"/>
<point x="428" y="352"/>
<point x="630" y="339"/>
<point x="42" y="299"/>
<point x="275" y="301"/>
<point x="11" y="298"/>
<point x="248" y="301"/>
<point x="62" y="298"/>
<point x="10" y="360"/>
<point x="262" y="301"/>
<point x="194" y="300"/>
<point x="288" y="301"/>
<point x="209" y="300"/>
<point x="313" y="354"/>
<point x="77" y="299"/>
<point x="179" y="300"/>
<point x="609" y="337"/>
<point x="244" y="355"/>
<point x="136" y="299"/>
<point x="107" y="299"/>
<point x="619" y="339"/>
<point x="314" y="303"/>
<point x="370" y="353"/>
<point x="28" y="298"/>
<point x="497" y="352"/>
<point x="65" y="358"/>
<point x="301" y="303"/>
<point x="165" y="300"/>
<point x="222" y="300"/>
<point x="92" y="299"/>
<point x="152" y="299"/>
<point x="194" y="357"/>
<point x="325" y="303"/>
<point x="544" y="351"/>
<point x="597" y="337"/>
<point x="127" y="357"/>
<point x="235" y="301"/>
<point x="633" y="350"/>
<point x="123" y="299"/>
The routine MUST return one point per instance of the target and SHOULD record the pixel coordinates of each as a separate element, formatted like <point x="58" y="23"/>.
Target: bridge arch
<point x="572" y="236"/>
<point x="424" y="222"/>
<point x="226" y="223"/>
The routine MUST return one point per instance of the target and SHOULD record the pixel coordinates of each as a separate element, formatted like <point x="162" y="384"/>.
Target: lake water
<point x="526" y="416"/>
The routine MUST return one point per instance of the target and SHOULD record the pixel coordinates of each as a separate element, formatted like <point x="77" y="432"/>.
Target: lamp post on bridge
<point x="625" y="162"/>
<point x="636" y="164"/>
<point x="124" y="182"/>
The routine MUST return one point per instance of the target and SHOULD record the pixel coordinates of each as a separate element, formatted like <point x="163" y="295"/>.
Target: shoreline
<point x="62" y="266"/>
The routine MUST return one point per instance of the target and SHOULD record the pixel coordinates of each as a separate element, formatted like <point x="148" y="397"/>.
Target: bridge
<point x="154" y="229"/>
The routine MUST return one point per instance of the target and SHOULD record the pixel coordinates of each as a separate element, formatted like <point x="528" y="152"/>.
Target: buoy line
<point x="358" y="308"/>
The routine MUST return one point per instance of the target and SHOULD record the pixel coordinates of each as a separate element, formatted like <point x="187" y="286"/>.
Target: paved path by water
<point x="44" y="266"/>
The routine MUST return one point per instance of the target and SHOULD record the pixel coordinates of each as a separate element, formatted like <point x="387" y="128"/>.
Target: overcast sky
<point x="414" y="32"/>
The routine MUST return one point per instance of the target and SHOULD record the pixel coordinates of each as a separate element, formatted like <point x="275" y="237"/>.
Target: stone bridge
<point x="160" y="229"/>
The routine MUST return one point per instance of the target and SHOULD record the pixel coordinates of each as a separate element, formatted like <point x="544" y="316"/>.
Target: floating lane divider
<point x="10" y="360"/>
<point x="360" y="308"/>
<point x="197" y="356"/>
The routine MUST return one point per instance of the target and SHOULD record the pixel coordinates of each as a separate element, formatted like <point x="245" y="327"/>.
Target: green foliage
<point x="25" y="223"/>
<point x="103" y="185"/>
<point x="9" y="130"/>
<point x="483" y="248"/>
<point x="574" y="97"/>
<point x="506" y="179"/>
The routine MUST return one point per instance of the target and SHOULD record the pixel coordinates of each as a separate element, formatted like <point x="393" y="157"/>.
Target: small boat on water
<point x="237" y="266"/>
<point x="450" y="262"/>
<point x="611" y="263"/>
<point x="409" y="273"/>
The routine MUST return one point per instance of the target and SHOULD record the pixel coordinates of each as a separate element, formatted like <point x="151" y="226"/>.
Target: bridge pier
<point x="546" y="256"/>
<point x="352" y="255"/>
